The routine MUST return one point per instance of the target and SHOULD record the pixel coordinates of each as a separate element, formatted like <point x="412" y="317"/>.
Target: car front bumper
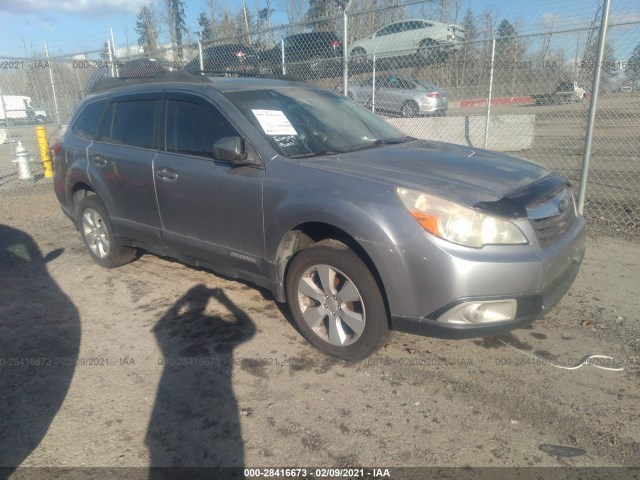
<point x="434" y="277"/>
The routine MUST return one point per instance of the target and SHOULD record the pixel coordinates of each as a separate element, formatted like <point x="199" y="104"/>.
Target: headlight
<point x="459" y="224"/>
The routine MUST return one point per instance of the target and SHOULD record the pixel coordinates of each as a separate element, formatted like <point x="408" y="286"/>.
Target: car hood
<point x="462" y="174"/>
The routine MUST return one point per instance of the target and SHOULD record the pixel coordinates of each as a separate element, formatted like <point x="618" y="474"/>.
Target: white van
<point x="17" y="109"/>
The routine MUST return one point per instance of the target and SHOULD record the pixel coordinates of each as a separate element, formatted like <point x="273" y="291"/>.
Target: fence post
<point x="595" y="87"/>
<point x="53" y="86"/>
<point x="6" y="122"/>
<point x="200" y="57"/>
<point x="373" y="85"/>
<point x="345" y="52"/>
<point x="486" y="126"/>
<point x="114" y="65"/>
<point x="112" y="71"/>
<point x="284" y="67"/>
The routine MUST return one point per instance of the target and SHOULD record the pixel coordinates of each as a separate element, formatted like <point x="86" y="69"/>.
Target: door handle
<point x="98" y="161"/>
<point x="167" y="174"/>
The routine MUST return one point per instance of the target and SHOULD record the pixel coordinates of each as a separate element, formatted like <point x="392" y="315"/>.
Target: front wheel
<point x="335" y="301"/>
<point x="97" y="233"/>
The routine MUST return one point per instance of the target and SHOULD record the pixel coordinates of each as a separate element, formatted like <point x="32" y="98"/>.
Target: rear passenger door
<point x="210" y="209"/>
<point x="120" y="165"/>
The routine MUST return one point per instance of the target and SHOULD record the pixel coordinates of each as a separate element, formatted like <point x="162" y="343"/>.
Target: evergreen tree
<point x="633" y="67"/>
<point x="176" y="23"/>
<point x="147" y="30"/>
<point x="204" y="25"/>
<point x="469" y="25"/>
<point x="609" y="65"/>
<point x="320" y="9"/>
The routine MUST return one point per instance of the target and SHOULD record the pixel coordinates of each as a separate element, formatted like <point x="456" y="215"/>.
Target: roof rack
<point x="246" y="74"/>
<point x="182" y="76"/>
<point x="187" y="76"/>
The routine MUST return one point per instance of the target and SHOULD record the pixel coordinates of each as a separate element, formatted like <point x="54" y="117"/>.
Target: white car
<point x="428" y="39"/>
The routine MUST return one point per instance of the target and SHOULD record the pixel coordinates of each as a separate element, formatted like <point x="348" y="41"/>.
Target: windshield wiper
<point x="321" y="153"/>
<point x="377" y="143"/>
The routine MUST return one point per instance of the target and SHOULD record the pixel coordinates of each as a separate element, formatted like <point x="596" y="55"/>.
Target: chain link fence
<point x="429" y="68"/>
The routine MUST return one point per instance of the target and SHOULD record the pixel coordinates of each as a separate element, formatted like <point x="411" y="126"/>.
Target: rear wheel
<point x="428" y="51"/>
<point x="359" y="56"/>
<point x="335" y="301"/>
<point x="97" y="233"/>
<point x="409" y="109"/>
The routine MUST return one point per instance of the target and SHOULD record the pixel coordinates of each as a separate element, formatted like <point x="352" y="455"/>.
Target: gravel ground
<point x="160" y="364"/>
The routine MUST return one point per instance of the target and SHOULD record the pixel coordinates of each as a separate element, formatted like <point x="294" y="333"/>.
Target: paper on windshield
<point x="274" y="122"/>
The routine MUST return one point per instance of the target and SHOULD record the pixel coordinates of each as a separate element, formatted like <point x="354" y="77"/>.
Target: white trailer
<point x="17" y="109"/>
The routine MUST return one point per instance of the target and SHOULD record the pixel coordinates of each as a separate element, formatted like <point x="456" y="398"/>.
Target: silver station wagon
<point x="359" y="228"/>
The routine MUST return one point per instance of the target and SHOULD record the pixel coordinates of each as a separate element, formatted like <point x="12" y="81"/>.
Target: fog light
<point x="481" y="312"/>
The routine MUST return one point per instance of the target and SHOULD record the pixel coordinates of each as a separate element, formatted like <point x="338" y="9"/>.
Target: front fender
<point x="372" y="225"/>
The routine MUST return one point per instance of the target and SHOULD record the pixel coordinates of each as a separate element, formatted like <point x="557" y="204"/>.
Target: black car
<point x="305" y="55"/>
<point x="229" y="56"/>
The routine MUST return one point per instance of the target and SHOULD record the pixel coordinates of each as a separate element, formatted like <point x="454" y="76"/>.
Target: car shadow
<point x="195" y="419"/>
<point x="39" y="344"/>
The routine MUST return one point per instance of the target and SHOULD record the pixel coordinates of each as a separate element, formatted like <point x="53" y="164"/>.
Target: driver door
<point x="209" y="208"/>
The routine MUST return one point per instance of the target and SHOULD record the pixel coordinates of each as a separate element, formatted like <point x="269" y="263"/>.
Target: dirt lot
<point x="156" y="363"/>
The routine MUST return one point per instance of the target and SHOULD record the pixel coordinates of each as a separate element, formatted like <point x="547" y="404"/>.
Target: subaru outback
<point x="357" y="227"/>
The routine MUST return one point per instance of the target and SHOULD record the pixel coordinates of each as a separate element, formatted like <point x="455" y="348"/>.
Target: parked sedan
<point x="400" y="95"/>
<point x="304" y="55"/>
<point x="429" y="40"/>
<point x="226" y="57"/>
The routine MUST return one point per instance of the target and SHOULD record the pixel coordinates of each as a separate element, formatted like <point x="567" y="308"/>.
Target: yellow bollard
<point x="45" y="156"/>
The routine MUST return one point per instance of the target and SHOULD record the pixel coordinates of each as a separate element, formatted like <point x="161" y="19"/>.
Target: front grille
<point x="552" y="218"/>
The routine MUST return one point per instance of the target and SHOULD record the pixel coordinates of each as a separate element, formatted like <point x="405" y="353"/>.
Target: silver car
<point x="427" y="39"/>
<point x="359" y="228"/>
<point x="400" y="95"/>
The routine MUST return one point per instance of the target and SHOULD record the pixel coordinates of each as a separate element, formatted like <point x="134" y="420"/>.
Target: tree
<point x="509" y="54"/>
<point x="104" y="53"/>
<point x="505" y="39"/>
<point x="319" y="9"/>
<point x="204" y="26"/>
<point x="147" y="30"/>
<point x="467" y="57"/>
<point x="609" y="65"/>
<point x="633" y="67"/>
<point x="176" y="23"/>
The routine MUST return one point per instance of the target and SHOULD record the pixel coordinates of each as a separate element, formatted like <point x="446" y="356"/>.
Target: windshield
<point x="306" y="122"/>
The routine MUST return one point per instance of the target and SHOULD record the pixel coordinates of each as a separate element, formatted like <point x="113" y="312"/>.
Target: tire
<point x="97" y="233"/>
<point x="428" y="51"/>
<point x="409" y="109"/>
<point x="335" y="301"/>
<point x="358" y="56"/>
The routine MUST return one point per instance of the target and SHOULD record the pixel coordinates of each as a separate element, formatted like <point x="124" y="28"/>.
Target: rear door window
<point x="130" y="122"/>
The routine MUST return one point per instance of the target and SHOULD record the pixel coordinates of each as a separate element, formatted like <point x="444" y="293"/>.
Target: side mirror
<point x="230" y="149"/>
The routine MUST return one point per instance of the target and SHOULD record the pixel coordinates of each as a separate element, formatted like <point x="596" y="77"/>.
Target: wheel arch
<point x="80" y="190"/>
<point x="305" y="234"/>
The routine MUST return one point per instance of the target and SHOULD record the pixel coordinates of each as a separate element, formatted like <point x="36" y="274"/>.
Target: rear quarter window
<point x="87" y="124"/>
